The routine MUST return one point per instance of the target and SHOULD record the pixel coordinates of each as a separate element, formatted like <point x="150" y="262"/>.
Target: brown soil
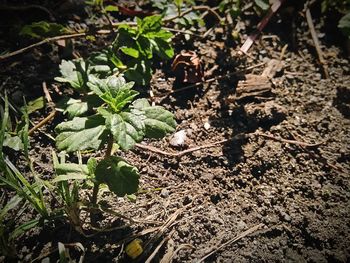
<point x="299" y="195"/>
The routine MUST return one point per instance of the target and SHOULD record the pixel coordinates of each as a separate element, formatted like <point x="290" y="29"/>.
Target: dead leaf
<point x="132" y="12"/>
<point x="187" y="67"/>
<point x="273" y="66"/>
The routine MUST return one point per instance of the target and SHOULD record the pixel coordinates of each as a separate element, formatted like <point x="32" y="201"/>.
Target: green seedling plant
<point x="231" y="7"/>
<point x="43" y="29"/>
<point x="121" y="121"/>
<point x="26" y="193"/>
<point x="69" y="193"/>
<point x="176" y="8"/>
<point x="15" y="138"/>
<point x="131" y="53"/>
<point x="137" y="46"/>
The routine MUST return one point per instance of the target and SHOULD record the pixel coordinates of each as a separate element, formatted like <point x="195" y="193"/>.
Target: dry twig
<point x="46" y="92"/>
<point x="43" y="122"/>
<point x="250" y="40"/>
<point x="154" y="253"/>
<point x="48" y="40"/>
<point x="240" y="236"/>
<point x="316" y="43"/>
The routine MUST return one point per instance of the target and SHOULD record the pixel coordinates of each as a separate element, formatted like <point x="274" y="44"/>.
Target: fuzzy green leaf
<point x="13" y="142"/>
<point x="75" y="108"/>
<point x="66" y="168"/>
<point x="163" y="49"/>
<point x="139" y="71"/>
<point x="105" y="63"/>
<point x="114" y="91"/>
<point x="127" y="128"/>
<point x="111" y="8"/>
<point x="344" y="25"/>
<point x="121" y="177"/>
<point x="74" y="72"/>
<point x="262" y="4"/>
<point x="81" y="134"/>
<point x="149" y="23"/>
<point x="35" y="105"/>
<point x="43" y="29"/>
<point x="132" y="52"/>
<point x="158" y="121"/>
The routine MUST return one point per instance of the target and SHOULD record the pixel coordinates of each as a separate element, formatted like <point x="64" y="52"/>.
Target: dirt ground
<point x="274" y="188"/>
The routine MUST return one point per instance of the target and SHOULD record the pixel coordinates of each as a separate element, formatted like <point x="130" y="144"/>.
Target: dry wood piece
<point x="252" y="86"/>
<point x="48" y="40"/>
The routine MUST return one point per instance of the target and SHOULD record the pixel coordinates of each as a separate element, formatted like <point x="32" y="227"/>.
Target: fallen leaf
<point x="187" y="67"/>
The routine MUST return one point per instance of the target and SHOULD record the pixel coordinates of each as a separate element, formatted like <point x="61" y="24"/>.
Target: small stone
<point x="286" y="217"/>
<point x="241" y="225"/>
<point x="178" y="138"/>
<point x="207" y="125"/>
<point x="164" y="193"/>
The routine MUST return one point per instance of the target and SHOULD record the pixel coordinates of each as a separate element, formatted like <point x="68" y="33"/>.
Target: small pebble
<point x="178" y="138"/>
<point x="164" y="193"/>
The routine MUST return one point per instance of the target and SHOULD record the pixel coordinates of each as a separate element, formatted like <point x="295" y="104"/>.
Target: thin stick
<point x="46" y="92"/>
<point x="171" y="219"/>
<point x="316" y="43"/>
<point x="240" y="236"/>
<point x="43" y="122"/>
<point x="178" y="154"/>
<point x="279" y="139"/>
<point x="46" y="40"/>
<point x="182" y="246"/>
<point x="250" y="40"/>
<point x="154" y="253"/>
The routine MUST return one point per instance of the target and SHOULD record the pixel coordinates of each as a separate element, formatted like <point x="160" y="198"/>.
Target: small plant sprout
<point x="138" y="45"/>
<point x="121" y="119"/>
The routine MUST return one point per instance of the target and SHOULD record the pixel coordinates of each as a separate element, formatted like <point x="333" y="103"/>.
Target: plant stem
<point x="97" y="185"/>
<point x="95" y="193"/>
<point x="109" y="146"/>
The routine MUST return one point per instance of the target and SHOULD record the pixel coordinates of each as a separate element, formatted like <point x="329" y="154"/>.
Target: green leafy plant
<point x="233" y="7"/>
<point x="131" y="53"/>
<point x="342" y="6"/>
<point x="120" y="120"/>
<point x="137" y="46"/>
<point x="26" y="193"/>
<point x="9" y="232"/>
<point x="15" y="138"/>
<point x="43" y="29"/>
<point x="176" y="8"/>
<point x="344" y="25"/>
